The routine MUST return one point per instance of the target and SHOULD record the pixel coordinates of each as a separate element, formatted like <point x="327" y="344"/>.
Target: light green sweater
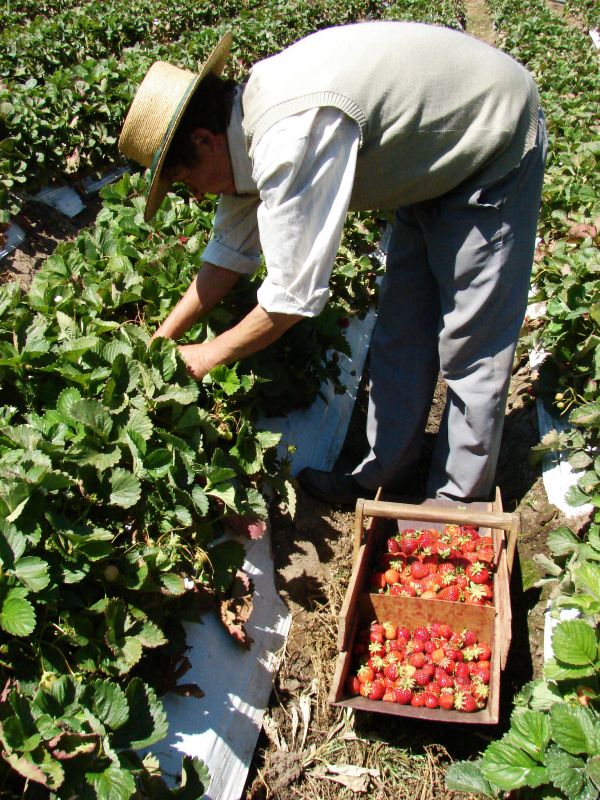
<point x="436" y="108"/>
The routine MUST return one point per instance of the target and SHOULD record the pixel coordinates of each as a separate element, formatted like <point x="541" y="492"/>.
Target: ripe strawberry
<point x="418" y="700"/>
<point x="477" y="572"/>
<point x="481" y="674"/>
<point x="422" y="677"/>
<point x="470" y="531"/>
<point x="418" y="570"/>
<point x="391" y="671"/>
<point x="377" y="649"/>
<point x="366" y="674"/>
<point x="434" y="687"/>
<point x="469" y="638"/>
<point x="431" y="701"/>
<point x="461" y="671"/>
<point x="451" y="530"/>
<point x="446" y="681"/>
<point x="485" y="555"/>
<point x="393" y="545"/>
<point x="446" y="700"/>
<point x="403" y="632"/>
<point x="377" y="663"/>
<point x="464" y="701"/>
<point x="403" y="696"/>
<point x="427" y="543"/>
<point x="471" y="653"/>
<point x="481" y="691"/>
<point x="454" y="653"/>
<point x="485" y="652"/>
<point x="353" y="685"/>
<point x="450" y="593"/>
<point x="376" y="632"/>
<point x="421" y="633"/>
<point x="377" y="690"/>
<point x="391" y="576"/>
<point x="417" y="659"/>
<point x="408" y="542"/>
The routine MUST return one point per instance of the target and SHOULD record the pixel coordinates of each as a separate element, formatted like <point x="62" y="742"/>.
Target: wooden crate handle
<point x="488" y="519"/>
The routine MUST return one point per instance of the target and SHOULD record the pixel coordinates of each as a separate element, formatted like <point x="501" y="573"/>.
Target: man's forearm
<point x="257" y="330"/>
<point x="208" y="287"/>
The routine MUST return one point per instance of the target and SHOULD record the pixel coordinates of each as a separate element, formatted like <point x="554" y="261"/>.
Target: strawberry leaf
<point x="17" y="616"/>
<point x="112" y="784"/>
<point x="574" y="642"/>
<point x="126" y="489"/>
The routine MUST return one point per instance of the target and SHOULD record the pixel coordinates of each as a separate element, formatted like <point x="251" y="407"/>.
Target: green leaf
<point x="562" y="541"/>
<point x="172" y="583"/>
<point x="508" y="767"/>
<point x="195" y="779"/>
<point x="575" y="729"/>
<point x="587" y="578"/>
<point x="112" y="784"/>
<point x="565" y="771"/>
<point x="555" y="671"/>
<point x="574" y="642"/>
<point x="33" y="572"/>
<point x="147" y="722"/>
<point x="93" y="416"/>
<point x="65" y="402"/>
<point x="17" y="616"/>
<point x="466" y="776"/>
<point x="586" y="416"/>
<point x="592" y="769"/>
<point x="126" y="489"/>
<point x="530" y="730"/>
<point x="109" y="703"/>
<point x="200" y="500"/>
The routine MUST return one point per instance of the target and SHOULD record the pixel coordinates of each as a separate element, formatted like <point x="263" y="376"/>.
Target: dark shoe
<point x="335" y="488"/>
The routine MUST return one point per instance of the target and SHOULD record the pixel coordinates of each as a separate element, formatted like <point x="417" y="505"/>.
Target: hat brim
<point x="159" y="186"/>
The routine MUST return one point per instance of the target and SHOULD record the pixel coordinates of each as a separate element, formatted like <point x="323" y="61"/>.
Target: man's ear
<point x="202" y="138"/>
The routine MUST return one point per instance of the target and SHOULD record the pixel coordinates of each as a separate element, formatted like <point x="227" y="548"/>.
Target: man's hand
<point x="196" y="358"/>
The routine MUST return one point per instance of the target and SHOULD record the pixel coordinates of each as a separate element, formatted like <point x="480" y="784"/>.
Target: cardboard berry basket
<point x="377" y="520"/>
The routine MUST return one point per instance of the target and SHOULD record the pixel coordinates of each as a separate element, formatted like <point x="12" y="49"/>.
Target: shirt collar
<point x="240" y="160"/>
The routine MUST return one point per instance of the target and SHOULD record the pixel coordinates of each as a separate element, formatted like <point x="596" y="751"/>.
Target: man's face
<point x="211" y="172"/>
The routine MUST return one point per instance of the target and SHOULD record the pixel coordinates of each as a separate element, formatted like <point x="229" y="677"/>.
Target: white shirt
<point x="291" y="202"/>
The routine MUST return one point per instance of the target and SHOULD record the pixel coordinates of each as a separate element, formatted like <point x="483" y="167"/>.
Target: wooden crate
<point x="375" y="521"/>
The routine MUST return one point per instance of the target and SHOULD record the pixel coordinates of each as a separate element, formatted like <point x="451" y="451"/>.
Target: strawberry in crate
<point x="430" y="666"/>
<point x="453" y="564"/>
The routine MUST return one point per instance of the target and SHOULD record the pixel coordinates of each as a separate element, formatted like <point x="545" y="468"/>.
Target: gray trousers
<point x="453" y="301"/>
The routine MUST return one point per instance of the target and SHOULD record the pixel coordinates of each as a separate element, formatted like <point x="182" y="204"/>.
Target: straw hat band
<point x="155" y="105"/>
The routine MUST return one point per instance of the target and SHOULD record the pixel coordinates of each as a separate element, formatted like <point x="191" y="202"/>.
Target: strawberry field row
<point x="552" y="748"/>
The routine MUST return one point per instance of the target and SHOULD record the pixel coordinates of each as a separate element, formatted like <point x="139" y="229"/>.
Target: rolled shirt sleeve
<point x="304" y="170"/>
<point x="235" y="243"/>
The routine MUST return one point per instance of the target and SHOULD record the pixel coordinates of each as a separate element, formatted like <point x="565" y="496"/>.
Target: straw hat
<point x="155" y="113"/>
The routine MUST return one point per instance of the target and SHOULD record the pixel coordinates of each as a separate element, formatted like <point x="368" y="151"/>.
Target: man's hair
<point x="209" y="108"/>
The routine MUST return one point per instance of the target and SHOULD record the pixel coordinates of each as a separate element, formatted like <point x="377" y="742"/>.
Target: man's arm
<point x="256" y="330"/>
<point x="208" y="287"/>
